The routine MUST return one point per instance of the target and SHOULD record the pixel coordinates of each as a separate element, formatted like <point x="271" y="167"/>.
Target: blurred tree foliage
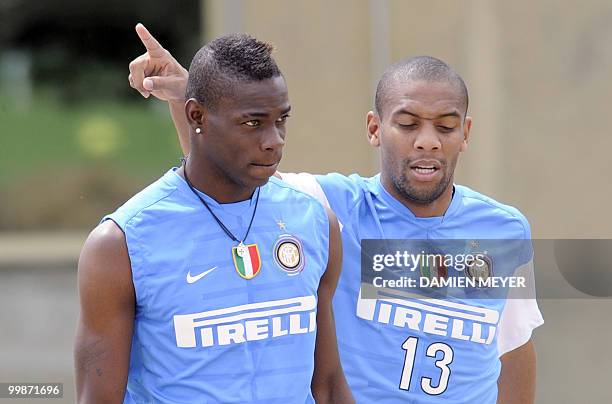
<point x="80" y="48"/>
<point x="72" y="148"/>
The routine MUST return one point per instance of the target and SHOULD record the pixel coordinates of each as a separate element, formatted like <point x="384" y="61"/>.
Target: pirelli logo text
<point x="248" y="322"/>
<point x="455" y="320"/>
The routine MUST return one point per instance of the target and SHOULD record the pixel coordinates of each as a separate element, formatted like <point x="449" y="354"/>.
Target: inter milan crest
<point x="247" y="260"/>
<point x="289" y="254"/>
<point x="480" y="268"/>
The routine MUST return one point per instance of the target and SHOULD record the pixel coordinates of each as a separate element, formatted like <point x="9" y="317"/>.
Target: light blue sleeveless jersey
<point x="404" y="350"/>
<point x="204" y="332"/>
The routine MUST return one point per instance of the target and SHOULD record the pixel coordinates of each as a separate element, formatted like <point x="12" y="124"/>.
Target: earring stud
<point x="198" y="130"/>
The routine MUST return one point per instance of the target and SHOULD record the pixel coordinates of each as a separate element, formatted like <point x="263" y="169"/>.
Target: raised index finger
<point x="153" y="47"/>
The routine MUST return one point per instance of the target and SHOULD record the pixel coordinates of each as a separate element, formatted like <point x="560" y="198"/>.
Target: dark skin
<point x="106" y="321"/>
<point x="433" y="107"/>
<point x="253" y="129"/>
<point x="328" y="382"/>
<point x="237" y="150"/>
<point x="421" y="128"/>
<point x="517" y="380"/>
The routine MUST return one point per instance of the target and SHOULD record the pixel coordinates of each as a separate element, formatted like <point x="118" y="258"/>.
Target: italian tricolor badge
<point x="433" y="268"/>
<point x="249" y="264"/>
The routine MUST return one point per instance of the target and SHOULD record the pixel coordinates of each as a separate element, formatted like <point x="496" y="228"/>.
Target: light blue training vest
<point x="213" y="327"/>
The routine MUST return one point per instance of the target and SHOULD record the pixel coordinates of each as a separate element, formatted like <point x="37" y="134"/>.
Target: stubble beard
<point x="421" y="195"/>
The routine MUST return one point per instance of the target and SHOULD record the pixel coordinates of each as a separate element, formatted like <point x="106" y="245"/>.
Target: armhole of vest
<point x="139" y="276"/>
<point x="334" y="199"/>
<point x="326" y="236"/>
<point x="135" y="256"/>
<point x="353" y="198"/>
<point x="354" y="210"/>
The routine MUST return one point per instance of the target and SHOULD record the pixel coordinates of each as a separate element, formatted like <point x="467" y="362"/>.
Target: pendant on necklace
<point x="241" y="250"/>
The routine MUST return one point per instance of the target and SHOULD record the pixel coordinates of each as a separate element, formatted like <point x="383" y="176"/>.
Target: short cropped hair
<point x="226" y="61"/>
<point x="424" y="68"/>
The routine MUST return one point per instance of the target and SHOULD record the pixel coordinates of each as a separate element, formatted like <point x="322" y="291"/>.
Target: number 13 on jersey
<point x="410" y="346"/>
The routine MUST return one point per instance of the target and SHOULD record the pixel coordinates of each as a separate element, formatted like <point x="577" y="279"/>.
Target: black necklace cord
<point x="219" y="222"/>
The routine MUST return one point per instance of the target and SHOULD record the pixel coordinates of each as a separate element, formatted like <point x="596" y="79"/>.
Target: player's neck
<point x="433" y="209"/>
<point x="215" y="184"/>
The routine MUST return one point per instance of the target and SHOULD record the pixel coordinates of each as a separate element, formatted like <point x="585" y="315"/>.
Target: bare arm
<point x="157" y="73"/>
<point x="516" y="382"/>
<point x="328" y="382"/>
<point x="105" y="324"/>
<point x="177" y="111"/>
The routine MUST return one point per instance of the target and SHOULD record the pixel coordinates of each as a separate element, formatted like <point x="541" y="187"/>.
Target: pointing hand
<point x="156" y="71"/>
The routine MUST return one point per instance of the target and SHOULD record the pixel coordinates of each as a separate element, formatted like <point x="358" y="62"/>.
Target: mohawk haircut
<point x="225" y="62"/>
<point x="425" y="68"/>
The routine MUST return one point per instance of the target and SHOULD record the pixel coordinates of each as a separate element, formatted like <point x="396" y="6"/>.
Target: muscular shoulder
<point x="104" y="259"/>
<point x="105" y="241"/>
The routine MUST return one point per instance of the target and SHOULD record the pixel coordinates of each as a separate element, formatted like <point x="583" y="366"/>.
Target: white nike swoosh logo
<point x="192" y="279"/>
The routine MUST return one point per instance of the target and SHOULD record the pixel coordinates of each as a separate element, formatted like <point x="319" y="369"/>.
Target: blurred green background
<point x="75" y="139"/>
